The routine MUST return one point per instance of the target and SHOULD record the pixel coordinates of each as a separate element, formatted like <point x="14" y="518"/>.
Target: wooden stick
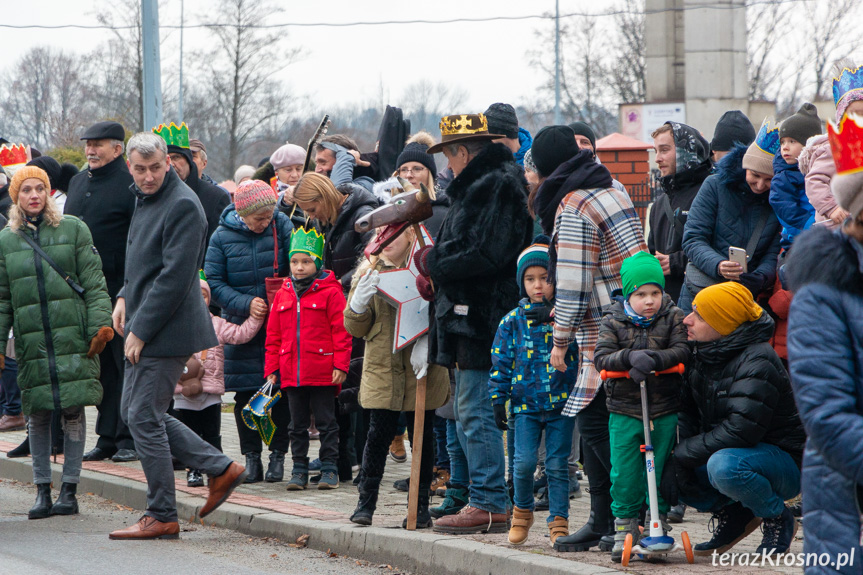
<point x="419" y="234"/>
<point x="416" y="453"/>
<point x="417" y="439"/>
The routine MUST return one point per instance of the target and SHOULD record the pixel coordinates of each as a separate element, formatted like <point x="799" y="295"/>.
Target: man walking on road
<point x="164" y="319"/>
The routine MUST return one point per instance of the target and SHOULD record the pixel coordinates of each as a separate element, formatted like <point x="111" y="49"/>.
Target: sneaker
<point x="315" y="464"/>
<point x="675" y="514"/>
<point x="454" y="501"/>
<point x="778" y="532"/>
<point x="542" y="502"/>
<point x="194" y="478"/>
<point x="397" y="449"/>
<point x="329" y="480"/>
<point x="574" y="487"/>
<point x="298" y="481"/>
<point x="729" y="526"/>
<point x="622" y="528"/>
<point x="402" y="484"/>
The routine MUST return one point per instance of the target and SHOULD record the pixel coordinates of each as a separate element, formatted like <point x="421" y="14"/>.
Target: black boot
<point x="276" y="468"/>
<point x="599" y="526"/>
<point x="22" y="450"/>
<point x="42" y="508"/>
<point x="424" y="519"/>
<point x="254" y="467"/>
<point x="66" y="503"/>
<point x="368" y="488"/>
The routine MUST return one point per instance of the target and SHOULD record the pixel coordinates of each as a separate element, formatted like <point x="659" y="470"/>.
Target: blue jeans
<point x="684" y="301"/>
<point x="481" y="439"/>
<point x="458" y="473"/>
<point x="10" y="393"/>
<point x="762" y="478"/>
<point x="510" y="444"/>
<point x="558" y="445"/>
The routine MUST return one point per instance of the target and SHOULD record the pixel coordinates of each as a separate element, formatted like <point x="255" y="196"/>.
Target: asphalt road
<point x="79" y="545"/>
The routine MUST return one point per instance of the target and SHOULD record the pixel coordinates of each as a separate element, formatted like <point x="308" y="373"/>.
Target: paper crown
<point x="173" y="134"/>
<point x="767" y="139"/>
<point x="13" y="157"/>
<point x="848" y="81"/>
<point x="846" y="144"/>
<point x="463" y="124"/>
<point x="308" y="242"/>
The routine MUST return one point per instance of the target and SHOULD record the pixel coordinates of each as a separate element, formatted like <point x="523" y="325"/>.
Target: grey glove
<point x="643" y="362"/>
<point x="366" y="288"/>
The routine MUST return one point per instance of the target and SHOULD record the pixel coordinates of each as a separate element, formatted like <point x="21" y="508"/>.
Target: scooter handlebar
<point x="604" y="374"/>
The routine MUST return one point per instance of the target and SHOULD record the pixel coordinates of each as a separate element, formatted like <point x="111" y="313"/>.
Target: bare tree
<point x="627" y="68"/>
<point x="47" y="101"/>
<point x="833" y="33"/>
<point x="584" y="84"/>
<point x="425" y="102"/>
<point x="763" y="20"/>
<point x="239" y="79"/>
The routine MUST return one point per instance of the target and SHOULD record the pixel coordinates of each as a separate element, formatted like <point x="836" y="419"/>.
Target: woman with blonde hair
<point x="53" y="290"/>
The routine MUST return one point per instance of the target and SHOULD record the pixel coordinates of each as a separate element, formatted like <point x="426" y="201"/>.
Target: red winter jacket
<point x="307" y="340"/>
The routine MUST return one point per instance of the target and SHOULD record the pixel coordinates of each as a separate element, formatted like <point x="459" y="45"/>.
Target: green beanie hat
<point x="638" y="270"/>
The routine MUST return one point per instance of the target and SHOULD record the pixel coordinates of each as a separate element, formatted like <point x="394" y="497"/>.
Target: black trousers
<point x="305" y="401"/>
<point x="382" y="428"/>
<point x="113" y="432"/>
<point x="250" y="440"/>
<point x="596" y="451"/>
<point x="207" y="423"/>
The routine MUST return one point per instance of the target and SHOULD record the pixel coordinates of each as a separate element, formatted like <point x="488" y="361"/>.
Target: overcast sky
<point x="350" y="64"/>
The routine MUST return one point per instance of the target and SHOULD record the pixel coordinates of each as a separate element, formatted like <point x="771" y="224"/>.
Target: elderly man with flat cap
<point x="101" y="198"/>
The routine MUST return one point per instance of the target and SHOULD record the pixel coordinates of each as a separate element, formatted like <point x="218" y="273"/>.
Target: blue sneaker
<point x="329" y="480"/>
<point x="315" y="464"/>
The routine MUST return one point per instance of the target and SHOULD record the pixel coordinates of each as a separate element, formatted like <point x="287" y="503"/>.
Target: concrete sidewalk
<point x="269" y="510"/>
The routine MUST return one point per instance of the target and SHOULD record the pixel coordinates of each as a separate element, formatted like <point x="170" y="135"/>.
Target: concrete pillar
<point x="716" y="76"/>
<point x="664" y="51"/>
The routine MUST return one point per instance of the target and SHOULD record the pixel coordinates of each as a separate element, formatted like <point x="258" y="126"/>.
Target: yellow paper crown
<point x="463" y="124"/>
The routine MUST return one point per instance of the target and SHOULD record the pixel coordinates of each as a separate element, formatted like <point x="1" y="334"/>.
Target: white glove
<point x="366" y="288"/>
<point x="420" y="357"/>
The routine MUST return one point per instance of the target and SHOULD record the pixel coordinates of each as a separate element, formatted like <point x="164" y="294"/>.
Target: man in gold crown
<point x="471" y="267"/>
<point x="213" y="199"/>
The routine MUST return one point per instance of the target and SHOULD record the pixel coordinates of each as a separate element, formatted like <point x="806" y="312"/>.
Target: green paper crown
<point x="308" y="242"/>
<point x="173" y="134"/>
<point x="203" y="276"/>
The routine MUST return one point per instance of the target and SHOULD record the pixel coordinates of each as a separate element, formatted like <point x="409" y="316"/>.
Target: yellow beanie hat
<point x="25" y="173"/>
<point x="726" y="306"/>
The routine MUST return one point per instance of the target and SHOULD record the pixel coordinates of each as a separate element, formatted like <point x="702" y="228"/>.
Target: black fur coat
<point x="473" y="262"/>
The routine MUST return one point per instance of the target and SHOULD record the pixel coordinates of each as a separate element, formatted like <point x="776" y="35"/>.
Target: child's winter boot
<point x="522" y="519"/>
<point x="621" y="528"/>
<point x="557" y="528"/>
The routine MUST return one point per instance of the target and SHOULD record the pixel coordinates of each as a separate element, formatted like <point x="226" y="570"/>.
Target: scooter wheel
<point x="627" y="550"/>
<point x="687" y="547"/>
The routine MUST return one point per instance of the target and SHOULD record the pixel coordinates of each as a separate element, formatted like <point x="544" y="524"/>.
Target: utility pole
<point x="152" y="65"/>
<point x="180" y="100"/>
<point x="557" y="119"/>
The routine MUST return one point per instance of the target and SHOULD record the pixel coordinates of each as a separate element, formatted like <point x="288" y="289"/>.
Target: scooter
<point x="656" y="543"/>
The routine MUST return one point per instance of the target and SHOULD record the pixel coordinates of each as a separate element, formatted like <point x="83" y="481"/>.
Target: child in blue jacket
<point x="522" y="373"/>
<point x="787" y="190"/>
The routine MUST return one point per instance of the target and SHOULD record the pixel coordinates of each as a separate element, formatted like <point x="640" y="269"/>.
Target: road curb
<point x="419" y="552"/>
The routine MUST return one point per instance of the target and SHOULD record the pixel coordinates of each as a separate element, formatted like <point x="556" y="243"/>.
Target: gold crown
<point x="463" y="124"/>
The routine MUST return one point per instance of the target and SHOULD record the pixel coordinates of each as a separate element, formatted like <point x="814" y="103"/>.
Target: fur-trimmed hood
<point x="831" y="258"/>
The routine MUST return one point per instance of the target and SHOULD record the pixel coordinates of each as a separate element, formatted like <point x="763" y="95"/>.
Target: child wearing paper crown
<point x="389" y="380"/>
<point x="641" y="332"/>
<point x="522" y="374"/>
<point x="198" y="395"/>
<point x="308" y="347"/>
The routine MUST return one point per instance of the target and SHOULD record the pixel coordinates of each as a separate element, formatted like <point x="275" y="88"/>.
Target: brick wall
<point x="630" y="168"/>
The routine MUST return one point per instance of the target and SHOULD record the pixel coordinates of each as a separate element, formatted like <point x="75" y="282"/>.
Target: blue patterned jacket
<point x="520" y="368"/>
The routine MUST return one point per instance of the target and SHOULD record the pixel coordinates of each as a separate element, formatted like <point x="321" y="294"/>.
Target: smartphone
<point x="738" y="255"/>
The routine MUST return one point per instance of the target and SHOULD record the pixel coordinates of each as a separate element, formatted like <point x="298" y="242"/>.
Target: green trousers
<point x="628" y="471"/>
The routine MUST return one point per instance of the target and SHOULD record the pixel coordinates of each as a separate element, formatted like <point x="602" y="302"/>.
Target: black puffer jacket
<point x="344" y="245"/>
<point x="738" y="394"/>
<point x="473" y="261"/>
<point x="618" y="337"/>
<point x="213" y="199"/>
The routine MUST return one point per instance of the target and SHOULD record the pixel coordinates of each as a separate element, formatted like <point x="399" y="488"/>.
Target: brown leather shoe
<point x="222" y="486"/>
<point x="472" y="520"/>
<point x="12" y="423"/>
<point x="148" y="528"/>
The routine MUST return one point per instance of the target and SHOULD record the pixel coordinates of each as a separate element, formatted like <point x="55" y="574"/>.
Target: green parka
<point x="53" y="325"/>
<point x="388" y="380"/>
